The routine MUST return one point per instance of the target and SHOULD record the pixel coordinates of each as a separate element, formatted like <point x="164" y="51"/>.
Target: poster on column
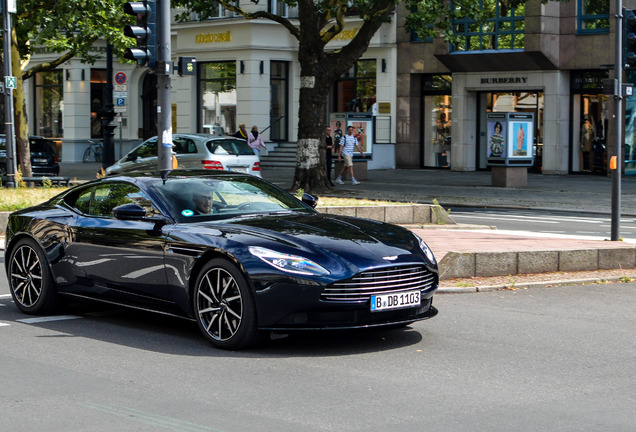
<point x="496" y="135"/>
<point x="520" y="135"/>
<point x="338" y="123"/>
<point x="362" y="129"/>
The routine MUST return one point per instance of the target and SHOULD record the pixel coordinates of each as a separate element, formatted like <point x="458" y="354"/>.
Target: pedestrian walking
<point x="347" y="144"/>
<point x="255" y="140"/>
<point x="241" y="132"/>
<point x="329" y="153"/>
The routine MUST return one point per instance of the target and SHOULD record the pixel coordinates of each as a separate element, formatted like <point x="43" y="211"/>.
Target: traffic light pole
<point x="164" y="86"/>
<point x="9" y="131"/>
<point x="618" y="116"/>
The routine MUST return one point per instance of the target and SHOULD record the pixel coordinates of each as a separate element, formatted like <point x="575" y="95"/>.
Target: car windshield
<point x="234" y="147"/>
<point x="193" y="199"/>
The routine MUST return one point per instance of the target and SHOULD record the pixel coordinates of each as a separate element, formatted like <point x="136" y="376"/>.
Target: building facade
<point x="548" y="60"/>
<point x="246" y="72"/>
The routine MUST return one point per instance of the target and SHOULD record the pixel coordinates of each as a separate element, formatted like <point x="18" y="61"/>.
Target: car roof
<point x="204" y="136"/>
<point x="156" y="174"/>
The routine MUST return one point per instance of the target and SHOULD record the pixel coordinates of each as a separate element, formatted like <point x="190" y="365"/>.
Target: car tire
<point x="30" y="280"/>
<point x="224" y="306"/>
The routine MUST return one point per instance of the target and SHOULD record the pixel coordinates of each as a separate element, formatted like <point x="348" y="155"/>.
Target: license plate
<point x="238" y="169"/>
<point x="395" y="301"/>
<point x="39" y="160"/>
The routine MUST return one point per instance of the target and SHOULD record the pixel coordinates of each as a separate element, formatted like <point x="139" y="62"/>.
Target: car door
<point x="122" y="259"/>
<point x="187" y="153"/>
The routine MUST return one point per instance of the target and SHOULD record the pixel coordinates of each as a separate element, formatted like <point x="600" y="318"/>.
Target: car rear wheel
<point x="30" y="280"/>
<point x="224" y="307"/>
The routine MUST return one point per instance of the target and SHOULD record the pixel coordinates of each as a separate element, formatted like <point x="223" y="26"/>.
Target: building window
<point x="279" y="107"/>
<point x="281" y="8"/>
<point x="503" y="29"/>
<point x="593" y="16"/>
<point x="49" y="103"/>
<point x="355" y="90"/>
<point x="217" y="90"/>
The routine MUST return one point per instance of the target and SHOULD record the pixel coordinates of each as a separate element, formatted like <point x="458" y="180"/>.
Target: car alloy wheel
<point x="30" y="281"/>
<point x="223" y="306"/>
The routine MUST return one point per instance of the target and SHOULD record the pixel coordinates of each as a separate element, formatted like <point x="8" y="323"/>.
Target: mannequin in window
<point x="587" y="140"/>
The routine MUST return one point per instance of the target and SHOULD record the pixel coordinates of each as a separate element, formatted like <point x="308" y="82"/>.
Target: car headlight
<point x="289" y="263"/>
<point x="427" y="250"/>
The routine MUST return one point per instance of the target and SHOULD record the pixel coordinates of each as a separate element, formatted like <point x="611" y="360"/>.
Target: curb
<point x="488" y="288"/>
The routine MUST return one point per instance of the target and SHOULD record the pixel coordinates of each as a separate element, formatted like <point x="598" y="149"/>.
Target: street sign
<point x="120" y="78"/>
<point x="120" y="87"/>
<point x="10" y="82"/>
<point x="120" y="94"/>
<point x="120" y="101"/>
<point x="120" y="109"/>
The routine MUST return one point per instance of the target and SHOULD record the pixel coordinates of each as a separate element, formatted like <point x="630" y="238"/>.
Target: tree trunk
<point x="20" y="115"/>
<point x="310" y="174"/>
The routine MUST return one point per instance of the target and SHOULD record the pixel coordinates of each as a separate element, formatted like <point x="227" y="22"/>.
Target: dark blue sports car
<point x="233" y="252"/>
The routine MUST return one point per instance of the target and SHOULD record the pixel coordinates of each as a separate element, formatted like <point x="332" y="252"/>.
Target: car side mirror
<point x="135" y="212"/>
<point x="310" y="200"/>
<point x="129" y="212"/>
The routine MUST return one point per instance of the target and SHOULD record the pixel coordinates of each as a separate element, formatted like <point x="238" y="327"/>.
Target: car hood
<point x="360" y="243"/>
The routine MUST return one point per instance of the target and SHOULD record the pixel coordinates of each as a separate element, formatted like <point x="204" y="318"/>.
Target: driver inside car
<point x="203" y="203"/>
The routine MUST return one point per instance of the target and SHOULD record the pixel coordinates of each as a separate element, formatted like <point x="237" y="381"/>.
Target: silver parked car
<point x="194" y="151"/>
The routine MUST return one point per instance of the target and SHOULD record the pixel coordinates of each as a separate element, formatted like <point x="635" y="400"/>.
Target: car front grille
<point x="386" y="280"/>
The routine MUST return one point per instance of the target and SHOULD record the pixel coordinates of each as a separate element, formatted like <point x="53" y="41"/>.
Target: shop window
<point x="217" y="90"/>
<point x="438" y="120"/>
<point x="503" y="29"/>
<point x="590" y="121"/>
<point x="355" y="90"/>
<point x="279" y="107"/>
<point x="593" y="16"/>
<point x="49" y="103"/>
<point x="98" y="84"/>
<point x="218" y="11"/>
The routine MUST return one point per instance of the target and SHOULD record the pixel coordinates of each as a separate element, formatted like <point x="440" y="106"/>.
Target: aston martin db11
<point x="238" y="255"/>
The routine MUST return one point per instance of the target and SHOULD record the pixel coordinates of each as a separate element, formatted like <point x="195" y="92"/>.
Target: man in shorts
<point x="347" y="144"/>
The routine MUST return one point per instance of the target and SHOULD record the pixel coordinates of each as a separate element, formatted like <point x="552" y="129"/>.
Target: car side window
<point x="184" y="145"/>
<point x="83" y="201"/>
<point x="147" y="149"/>
<point x="100" y="200"/>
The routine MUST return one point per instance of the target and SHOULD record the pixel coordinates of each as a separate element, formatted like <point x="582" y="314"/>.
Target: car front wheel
<point x="224" y="306"/>
<point x="30" y="280"/>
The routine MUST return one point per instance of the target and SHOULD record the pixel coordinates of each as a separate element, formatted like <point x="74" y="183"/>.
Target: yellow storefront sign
<point x="204" y="38"/>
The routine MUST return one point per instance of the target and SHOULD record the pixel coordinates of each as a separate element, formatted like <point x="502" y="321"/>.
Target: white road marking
<point x="498" y="218"/>
<point x="2" y="324"/>
<point x="48" y="319"/>
<point x="541" y="234"/>
<point x="5" y="295"/>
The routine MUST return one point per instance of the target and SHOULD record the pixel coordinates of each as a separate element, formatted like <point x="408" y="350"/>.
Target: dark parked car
<point x="230" y="251"/>
<point x="44" y="160"/>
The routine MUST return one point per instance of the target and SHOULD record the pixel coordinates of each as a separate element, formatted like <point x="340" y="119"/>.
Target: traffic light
<point x="629" y="39"/>
<point x="145" y="32"/>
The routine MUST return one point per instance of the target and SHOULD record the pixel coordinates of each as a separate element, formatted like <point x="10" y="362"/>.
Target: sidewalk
<point x="481" y="253"/>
